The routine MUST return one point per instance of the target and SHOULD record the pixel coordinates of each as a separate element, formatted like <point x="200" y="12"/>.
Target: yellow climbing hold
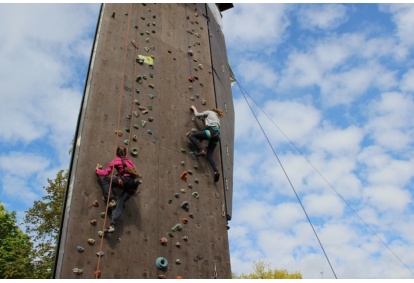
<point x="147" y="59"/>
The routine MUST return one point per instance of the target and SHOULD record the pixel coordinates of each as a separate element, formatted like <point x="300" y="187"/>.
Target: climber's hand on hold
<point x="98" y="166"/>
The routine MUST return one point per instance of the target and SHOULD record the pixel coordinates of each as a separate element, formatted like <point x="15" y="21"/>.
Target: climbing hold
<point x="191" y="215"/>
<point x="137" y="102"/>
<point x="169" y="51"/>
<point x="134" y="151"/>
<point x="139" y="79"/>
<point x="151" y="85"/>
<point x="185" y="206"/>
<point x="200" y="66"/>
<point x="127" y="130"/>
<point x="91" y="242"/>
<point x="184" y="220"/>
<point x="182" y="163"/>
<point x="149" y="132"/>
<point x="140" y="61"/>
<point x="93" y="222"/>
<point x="195" y="167"/>
<point x="183" y="176"/>
<point x="150" y="119"/>
<point x="177" y="227"/>
<point x="178" y="261"/>
<point x="161" y="276"/>
<point x="196" y="181"/>
<point x="195" y="77"/>
<point x="191" y="79"/>
<point x="100" y="233"/>
<point x="171" y="235"/>
<point x="128" y="116"/>
<point x="151" y="96"/>
<point x="101" y="253"/>
<point x="143" y="123"/>
<point x="192" y="98"/>
<point x="154" y="16"/>
<point x="135" y="126"/>
<point x="95" y="203"/>
<point x="196" y="195"/>
<point x="183" y="191"/>
<point x="190" y="87"/>
<point x="137" y="91"/>
<point x="196" y="14"/>
<point x="163" y="241"/>
<point x="134" y="43"/>
<point x="142" y="18"/>
<point x="197" y="95"/>
<point x="103" y="214"/>
<point x="136" y="113"/>
<point x="113" y="14"/>
<point x="80" y="249"/>
<point x="177" y="195"/>
<point x="153" y="23"/>
<point x="190" y="186"/>
<point x="153" y="31"/>
<point x="134" y="138"/>
<point x="149" y="107"/>
<point x="203" y="102"/>
<point x="201" y="84"/>
<point x="195" y="69"/>
<point x="169" y="201"/>
<point x="190" y="172"/>
<point x="77" y="271"/>
<point x="126" y="142"/>
<point x="190" y="52"/>
<point x="161" y="262"/>
<point x="126" y="14"/>
<point x="146" y="49"/>
<point x="118" y="132"/>
<point x="185" y="238"/>
<point x="179" y="277"/>
<point x="141" y="33"/>
<point x="147" y="32"/>
<point x="97" y="274"/>
<point x="182" y="150"/>
<point x="136" y="27"/>
<point x="147" y="40"/>
<point x="178" y="244"/>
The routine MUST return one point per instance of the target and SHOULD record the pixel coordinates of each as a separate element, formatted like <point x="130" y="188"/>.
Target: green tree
<point x="43" y="222"/>
<point x="15" y="248"/>
<point x="262" y="270"/>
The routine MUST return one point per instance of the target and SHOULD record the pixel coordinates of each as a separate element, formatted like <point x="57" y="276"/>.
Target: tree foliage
<point x="15" y="248"/>
<point x="43" y="223"/>
<point x="262" y="270"/>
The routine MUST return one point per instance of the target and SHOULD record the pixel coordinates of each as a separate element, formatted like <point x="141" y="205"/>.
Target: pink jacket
<point x="117" y="163"/>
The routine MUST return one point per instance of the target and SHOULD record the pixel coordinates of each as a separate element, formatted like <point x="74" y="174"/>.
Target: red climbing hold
<point x="184" y="220"/>
<point x="161" y="276"/>
<point x="184" y="176"/>
<point x="95" y="203"/>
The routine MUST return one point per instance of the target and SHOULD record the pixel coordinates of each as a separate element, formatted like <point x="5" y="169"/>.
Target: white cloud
<point x="256" y="72"/>
<point x="326" y="16"/>
<point x="258" y="26"/>
<point x="407" y="82"/>
<point x="387" y="197"/>
<point x="403" y="16"/>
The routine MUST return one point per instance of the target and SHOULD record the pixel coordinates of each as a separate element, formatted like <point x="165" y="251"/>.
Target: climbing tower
<point x="149" y="64"/>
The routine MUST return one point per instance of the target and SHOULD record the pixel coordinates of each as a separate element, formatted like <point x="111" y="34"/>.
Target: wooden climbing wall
<point x="151" y="100"/>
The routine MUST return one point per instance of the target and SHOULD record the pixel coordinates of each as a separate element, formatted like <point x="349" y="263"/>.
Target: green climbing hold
<point x="127" y="130"/>
<point x="177" y="227"/>
<point x="141" y="33"/>
<point x="149" y="107"/>
<point x="161" y="262"/>
<point x="197" y="95"/>
<point x="80" y="249"/>
<point x="135" y="126"/>
<point x="169" y="201"/>
<point x="137" y="90"/>
<point x="149" y="132"/>
<point x="151" y="96"/>
<point x="171" y="235"/>
<point x="196" y="195"/>
<point x="139" y="78"/>
<point x="151" y="75"/>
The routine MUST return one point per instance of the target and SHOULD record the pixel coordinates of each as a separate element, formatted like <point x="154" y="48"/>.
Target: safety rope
<point x="116" y="143"/>
<point x="287" y="177"/>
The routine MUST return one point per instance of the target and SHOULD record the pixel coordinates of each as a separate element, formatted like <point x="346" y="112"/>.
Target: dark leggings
<point x="213" y="138"/>
<point x="123" y="198"/>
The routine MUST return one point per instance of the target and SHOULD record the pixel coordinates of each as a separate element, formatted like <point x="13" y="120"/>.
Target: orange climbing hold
<point x="95" y="203"/>
<point x="184" y="176"/>
<point x="179" y="277"/>
<point x="184" y="220"/>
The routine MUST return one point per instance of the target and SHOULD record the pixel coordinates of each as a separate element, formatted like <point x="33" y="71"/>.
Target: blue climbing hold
<point x="161" y="262"/>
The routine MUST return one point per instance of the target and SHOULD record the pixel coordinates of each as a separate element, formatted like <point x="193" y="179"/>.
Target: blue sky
<point x="338" y="80"/>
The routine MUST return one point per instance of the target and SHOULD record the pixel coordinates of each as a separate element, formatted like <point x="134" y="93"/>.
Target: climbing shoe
<point x="110" y="229"/>
<point x="216" y="177"/>
<point x="112" y="203"/>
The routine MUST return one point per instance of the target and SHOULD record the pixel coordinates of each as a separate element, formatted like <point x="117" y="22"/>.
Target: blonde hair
<point x="218" y="111"/>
